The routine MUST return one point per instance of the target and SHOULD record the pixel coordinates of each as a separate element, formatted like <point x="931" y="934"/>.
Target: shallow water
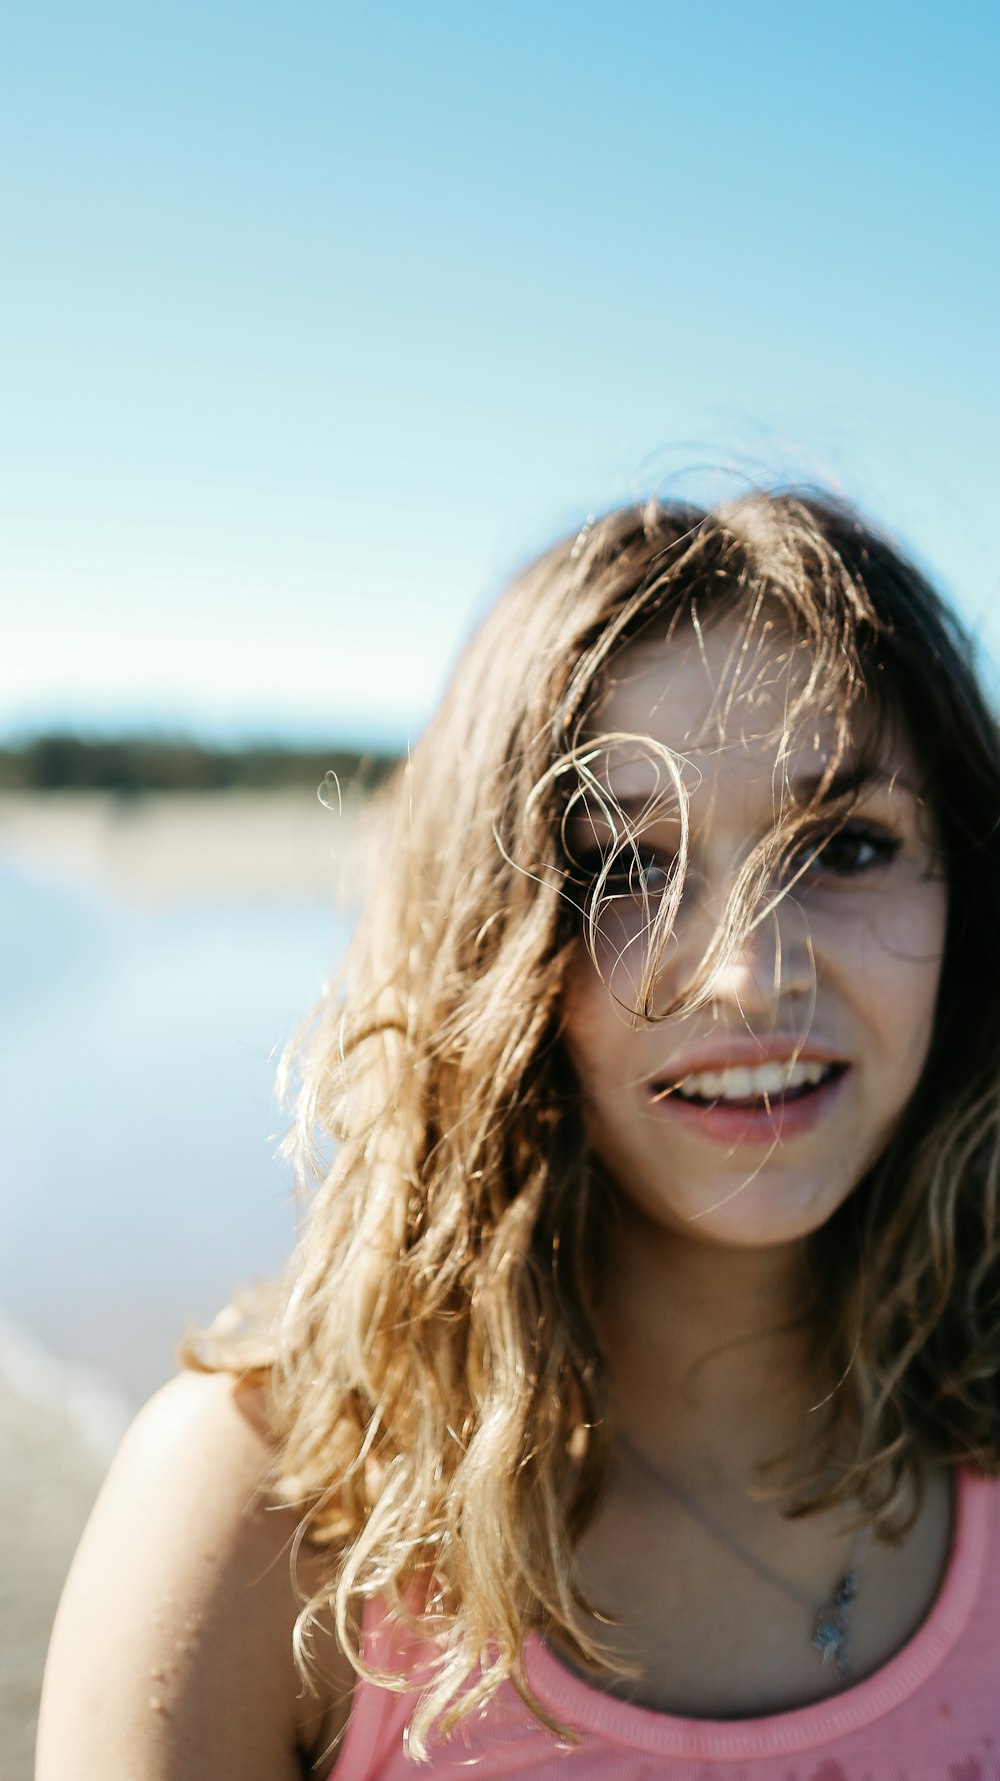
<point x="138" y="1048"/>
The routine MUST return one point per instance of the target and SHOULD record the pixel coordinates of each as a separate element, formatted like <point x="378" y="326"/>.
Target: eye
<point x="846" y="851"/>
<point x="634" y="872"/>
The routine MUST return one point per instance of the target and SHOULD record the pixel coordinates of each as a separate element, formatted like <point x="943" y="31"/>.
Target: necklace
<point x="831" y="1623"/>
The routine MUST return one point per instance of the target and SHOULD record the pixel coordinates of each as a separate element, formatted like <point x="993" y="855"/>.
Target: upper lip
<point x="747" y="1054"/>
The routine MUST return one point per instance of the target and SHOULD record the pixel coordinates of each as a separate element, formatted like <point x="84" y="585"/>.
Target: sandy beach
<point x="48" y="1481"/>
<point x="163" y="847"/>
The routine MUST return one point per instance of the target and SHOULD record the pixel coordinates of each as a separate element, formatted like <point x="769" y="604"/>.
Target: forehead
<point x="729" y="701"/>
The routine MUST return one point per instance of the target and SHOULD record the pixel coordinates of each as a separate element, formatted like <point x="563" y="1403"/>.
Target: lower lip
<point x="726" y="1124"/>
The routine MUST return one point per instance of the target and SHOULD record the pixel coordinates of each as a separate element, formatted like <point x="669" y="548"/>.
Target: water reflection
<point x="137" y="1058"/>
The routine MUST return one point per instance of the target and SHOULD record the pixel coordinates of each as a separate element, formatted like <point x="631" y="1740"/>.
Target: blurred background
<point x="315" y="322"/>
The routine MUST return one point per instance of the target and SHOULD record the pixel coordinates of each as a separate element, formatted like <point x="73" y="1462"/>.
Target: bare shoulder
<point x="172" y="1649"/>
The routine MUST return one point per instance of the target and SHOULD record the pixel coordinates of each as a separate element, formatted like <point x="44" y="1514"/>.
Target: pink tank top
<point x="931" y="1714"/>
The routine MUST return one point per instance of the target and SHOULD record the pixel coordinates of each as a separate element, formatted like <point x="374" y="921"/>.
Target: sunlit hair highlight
<point x="439" y="1386"/>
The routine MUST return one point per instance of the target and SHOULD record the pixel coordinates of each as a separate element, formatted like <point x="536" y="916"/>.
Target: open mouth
<point x="771" y="1085"/>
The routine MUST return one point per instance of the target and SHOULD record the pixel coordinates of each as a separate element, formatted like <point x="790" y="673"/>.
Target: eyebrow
<point x="847" y="781"/>
<point x="808" y="788"/>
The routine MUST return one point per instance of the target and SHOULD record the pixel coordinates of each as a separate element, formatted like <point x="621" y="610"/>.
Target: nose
<point x="752" y="967"/>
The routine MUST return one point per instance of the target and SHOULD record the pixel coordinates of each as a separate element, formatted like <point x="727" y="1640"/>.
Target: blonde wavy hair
<point x="436" y="1358"/>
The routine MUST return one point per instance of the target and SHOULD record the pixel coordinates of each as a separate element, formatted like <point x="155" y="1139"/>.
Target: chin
<point x="751" y="1214"/>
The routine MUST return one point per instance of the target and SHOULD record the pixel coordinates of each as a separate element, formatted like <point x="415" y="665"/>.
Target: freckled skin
<point x="851" y="961"/>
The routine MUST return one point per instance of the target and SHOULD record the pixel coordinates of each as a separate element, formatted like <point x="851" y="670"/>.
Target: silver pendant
<point x="829" y="1636"/>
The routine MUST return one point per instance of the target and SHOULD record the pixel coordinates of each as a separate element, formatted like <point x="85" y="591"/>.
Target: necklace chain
<point x="831" y="1623"/>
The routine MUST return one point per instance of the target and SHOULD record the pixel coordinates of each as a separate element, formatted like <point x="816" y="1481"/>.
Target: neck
<point x="709" y="1351"/>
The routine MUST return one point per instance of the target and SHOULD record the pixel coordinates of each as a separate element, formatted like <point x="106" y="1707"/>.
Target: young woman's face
<point x="749" y="1120"/>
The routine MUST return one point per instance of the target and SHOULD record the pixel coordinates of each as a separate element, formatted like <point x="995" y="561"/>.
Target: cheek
<point x="582" y="1021"/>
<point x="890" y="957"/>
<point x="595" y="1026"/>
<point x="619" y="980"/>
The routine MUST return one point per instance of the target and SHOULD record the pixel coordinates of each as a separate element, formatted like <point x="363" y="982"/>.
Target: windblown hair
<point x="437" y="1357"/>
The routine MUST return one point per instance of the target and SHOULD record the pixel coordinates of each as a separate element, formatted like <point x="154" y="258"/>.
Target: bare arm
<point x="171" y="1658"/>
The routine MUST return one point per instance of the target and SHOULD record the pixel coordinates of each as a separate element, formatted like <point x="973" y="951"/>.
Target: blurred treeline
<point x="137" y="764"/>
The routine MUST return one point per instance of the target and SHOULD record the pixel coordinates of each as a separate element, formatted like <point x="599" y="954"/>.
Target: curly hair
<point x="436" y="1359"/>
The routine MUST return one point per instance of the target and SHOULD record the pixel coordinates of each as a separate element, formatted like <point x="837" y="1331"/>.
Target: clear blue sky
<point x="316" y="319"/>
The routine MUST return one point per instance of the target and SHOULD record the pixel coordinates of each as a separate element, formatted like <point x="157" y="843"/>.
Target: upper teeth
<point x="738" y="1084"/>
